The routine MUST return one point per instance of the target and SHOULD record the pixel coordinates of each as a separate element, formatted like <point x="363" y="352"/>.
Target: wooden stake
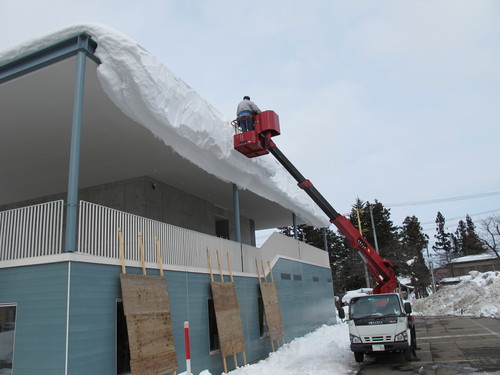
<point x="244" y="358"/>
<point x="229" y="266"/>
<point x="272" y="344"/>
<point x="235" y="360"/>
<point x="263" y="271"/>
<point x="122" y="249"/>
<point x="225" y="364"/>
<point x="220" y="268"/>
<point x="270" y="271"/>
<point x="158" y="255"/>
<point x="210" y="265"/>
<point x="141" y="247"/>
<point x="257" y="266"/>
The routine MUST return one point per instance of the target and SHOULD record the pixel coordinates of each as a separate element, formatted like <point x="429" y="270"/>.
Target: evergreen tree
<point x="472" y="244"/>
<point x="443" y="242"/>
<point x="386" y="231"/>
<point x="457" y="240"/>
<point x="414" y="242"/>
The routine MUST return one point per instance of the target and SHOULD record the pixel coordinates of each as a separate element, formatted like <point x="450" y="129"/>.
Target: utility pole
<point x="373" y="228"/>
<point x="367" y="277"/>
<point x="429" y="257"/>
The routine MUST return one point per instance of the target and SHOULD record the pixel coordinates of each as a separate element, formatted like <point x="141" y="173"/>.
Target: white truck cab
<point x="381" y="323"/>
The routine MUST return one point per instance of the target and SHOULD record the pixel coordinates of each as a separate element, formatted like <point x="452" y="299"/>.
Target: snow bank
<point x="150" y="94"/>
<point x="322" y="352"/>
<point x="476" y="295"/>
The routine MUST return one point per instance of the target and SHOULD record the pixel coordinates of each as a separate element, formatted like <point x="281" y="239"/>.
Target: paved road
<point x="447" y="346"/>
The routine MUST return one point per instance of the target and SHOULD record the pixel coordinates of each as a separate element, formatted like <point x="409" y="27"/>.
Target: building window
<point x="222" y="227"/>
<point x="213" y="332"/>
<point x="315" y="279"/>
<point x="263" y="329"/>
<point x="297" y="277"/>
<point x="286" y="276"/>
<point x="329" y="280"/>
<point x="122" y="346"/>
<point x="7" y="332"/>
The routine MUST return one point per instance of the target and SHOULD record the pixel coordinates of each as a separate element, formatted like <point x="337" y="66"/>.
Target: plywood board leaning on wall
<point x="227" y="315"/>
<point x="147" y="313"/>
<point x="271" y="305"/>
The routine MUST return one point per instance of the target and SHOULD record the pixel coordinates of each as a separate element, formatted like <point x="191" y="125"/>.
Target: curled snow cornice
<point x="145" y="90"/>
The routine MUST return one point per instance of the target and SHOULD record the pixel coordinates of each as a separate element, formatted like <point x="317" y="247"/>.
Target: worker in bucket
<point x="246" y="109"/>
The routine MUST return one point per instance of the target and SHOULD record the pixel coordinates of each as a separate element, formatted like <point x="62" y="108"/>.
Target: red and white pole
<point x="188" y="348"/>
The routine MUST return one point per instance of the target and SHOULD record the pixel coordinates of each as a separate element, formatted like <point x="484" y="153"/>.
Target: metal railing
<point x="37" y="231"/>
<point x="32" y="231"/>
<point x="98" y="236"/>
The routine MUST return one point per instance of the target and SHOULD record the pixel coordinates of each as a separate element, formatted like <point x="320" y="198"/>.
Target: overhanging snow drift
<point x="151" y="95"/>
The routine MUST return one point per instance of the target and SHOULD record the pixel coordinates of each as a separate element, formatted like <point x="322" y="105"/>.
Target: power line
<point x="440" y="200"/>
<point x="459" y="218"/>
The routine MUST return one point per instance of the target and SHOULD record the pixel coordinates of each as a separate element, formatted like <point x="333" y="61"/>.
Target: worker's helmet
<point x="246" y="98"/>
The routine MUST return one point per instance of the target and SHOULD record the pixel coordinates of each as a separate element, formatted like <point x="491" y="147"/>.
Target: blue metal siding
<point x="305" y="304"/>
<point x="40" y="293"/>
<point x="92" y="335"/>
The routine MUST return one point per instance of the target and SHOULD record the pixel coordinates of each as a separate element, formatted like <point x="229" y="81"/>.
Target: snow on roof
<point x="145" y="90"/>
<point x="473" y="258"/>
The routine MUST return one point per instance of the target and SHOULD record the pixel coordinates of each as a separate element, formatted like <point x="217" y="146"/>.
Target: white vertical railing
<point x="31" y="231"/>
<point x="37" y="230"/>
<point x="98" y="236"/>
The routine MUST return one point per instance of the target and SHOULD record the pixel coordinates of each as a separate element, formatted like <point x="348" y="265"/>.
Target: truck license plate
<point x="378" y="348"/>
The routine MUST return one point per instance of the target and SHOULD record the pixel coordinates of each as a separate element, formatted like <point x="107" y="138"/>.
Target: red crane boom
<point x="258" y="142"/>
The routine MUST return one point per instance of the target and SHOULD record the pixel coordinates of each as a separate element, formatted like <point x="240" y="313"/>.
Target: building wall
<point x="40" y="293"/>
<point x="463" y="268"/>
<point x="307" y="303"/>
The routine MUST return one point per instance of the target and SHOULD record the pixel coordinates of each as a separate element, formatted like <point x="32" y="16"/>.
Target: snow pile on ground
<point x="322" y="352"/>
<point x="145" y="90"/>
<point x="476" y="295"/>
<point x="327" y="350"/>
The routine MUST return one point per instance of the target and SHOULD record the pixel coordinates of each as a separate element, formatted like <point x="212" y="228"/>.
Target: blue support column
<point x="74" y="160"/>
<point x="236" y="205"/>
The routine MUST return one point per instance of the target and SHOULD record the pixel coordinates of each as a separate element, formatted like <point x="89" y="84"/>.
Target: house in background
<point x="455" y="271"/>
<point x="481" y="263"/>
<point x="88" y="146"/>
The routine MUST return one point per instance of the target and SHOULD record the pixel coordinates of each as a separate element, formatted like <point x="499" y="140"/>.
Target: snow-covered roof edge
<point x="474" y="258"/>
<point x="145" y="90"/>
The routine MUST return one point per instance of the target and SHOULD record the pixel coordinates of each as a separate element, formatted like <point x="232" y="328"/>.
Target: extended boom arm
<point x="380" y="268"/>
<point x="258" y="142"/>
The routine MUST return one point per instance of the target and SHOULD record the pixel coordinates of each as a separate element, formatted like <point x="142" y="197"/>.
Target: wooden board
<point x="147" y="312"/>
<point x="272" y="310"/>
<point x="227" y="315"/>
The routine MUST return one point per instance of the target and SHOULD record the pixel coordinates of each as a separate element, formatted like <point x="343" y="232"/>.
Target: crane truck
<point x="380" y="322"/>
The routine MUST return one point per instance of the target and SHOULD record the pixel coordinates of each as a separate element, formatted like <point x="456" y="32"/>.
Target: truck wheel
<point x="408" y="353"/>
<point x="413" y="339"/>
<point x="359" y="356"/>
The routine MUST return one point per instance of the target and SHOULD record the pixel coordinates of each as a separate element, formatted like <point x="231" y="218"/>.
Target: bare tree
<point x="491" y="228"/>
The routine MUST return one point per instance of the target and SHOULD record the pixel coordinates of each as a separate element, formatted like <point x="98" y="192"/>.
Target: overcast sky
<point x="397" y="101"/>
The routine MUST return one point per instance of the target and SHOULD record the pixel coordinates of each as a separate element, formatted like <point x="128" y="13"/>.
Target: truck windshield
<point x="373" y="306"/>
